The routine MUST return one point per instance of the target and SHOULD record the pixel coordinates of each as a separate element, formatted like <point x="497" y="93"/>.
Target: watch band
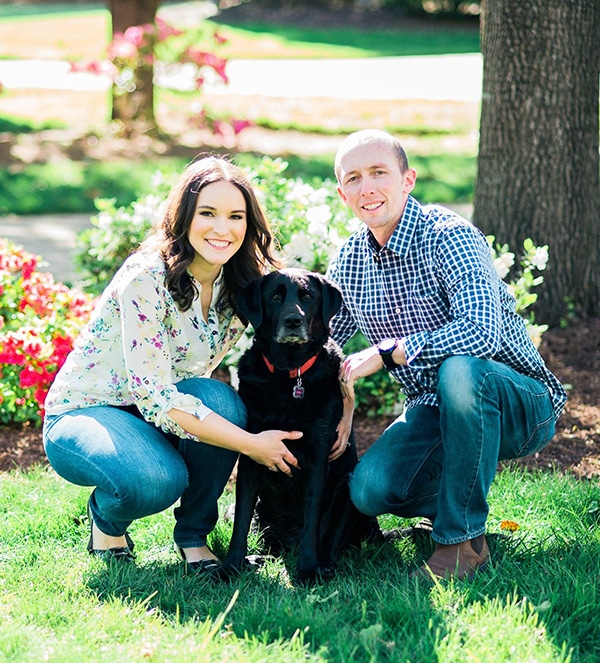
<point x="386" y="349"/>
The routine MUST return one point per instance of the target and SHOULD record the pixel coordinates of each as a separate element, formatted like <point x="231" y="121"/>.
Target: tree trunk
<point x="538" y="152"/>
<point x="126" y="13"/>
<point x="134" y="108"/>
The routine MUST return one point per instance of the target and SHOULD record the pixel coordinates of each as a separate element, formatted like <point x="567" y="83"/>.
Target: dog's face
<point x="291" y="306"/>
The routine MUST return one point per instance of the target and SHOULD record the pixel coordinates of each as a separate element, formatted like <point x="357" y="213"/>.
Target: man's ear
<point x="342" y="196"/>
<point x="410" y="179"/>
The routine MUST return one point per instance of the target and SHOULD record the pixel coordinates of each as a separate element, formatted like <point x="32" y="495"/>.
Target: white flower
<point x="318" y="218"/>
<point x="301" y="192"/>
<point x="539" y="259"/>
<point x="535" y="333"/>
<point x="319" y="196"/>
<point x="146" y="210"/>
<point x="104" y="220"/>
<point x="503" y="263"/>
<point x="300" y="249"/>
<point x="157" y="179"/>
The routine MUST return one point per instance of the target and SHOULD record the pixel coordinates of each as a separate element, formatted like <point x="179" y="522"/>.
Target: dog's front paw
<point x="231" y="569"/>
<point x="310" y="576"/>
<point x="327" y="573"/>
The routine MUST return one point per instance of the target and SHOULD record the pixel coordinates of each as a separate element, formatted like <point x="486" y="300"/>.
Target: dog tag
<point x="298" y="391"/>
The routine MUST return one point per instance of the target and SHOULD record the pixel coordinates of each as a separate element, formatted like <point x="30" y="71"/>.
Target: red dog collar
<point x="296" y="372"/>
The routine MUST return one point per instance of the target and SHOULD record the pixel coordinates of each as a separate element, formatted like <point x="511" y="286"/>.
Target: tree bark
<point x="538" y="153"/>
<point x="126" y="13"/>
<point x="135" y="108"/>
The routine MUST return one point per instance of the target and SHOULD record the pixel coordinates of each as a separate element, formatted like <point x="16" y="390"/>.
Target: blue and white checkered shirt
<point x="434" y="285"/>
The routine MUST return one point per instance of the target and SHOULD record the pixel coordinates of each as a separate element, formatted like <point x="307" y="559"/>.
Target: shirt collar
<point x="217" y="285"/>
<point x="403" y="234"/>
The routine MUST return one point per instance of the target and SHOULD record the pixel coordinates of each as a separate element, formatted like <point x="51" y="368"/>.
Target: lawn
<point x="539" y="602"/>
<point x="82" y="31"/>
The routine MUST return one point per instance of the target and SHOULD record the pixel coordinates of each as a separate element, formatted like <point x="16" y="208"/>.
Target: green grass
<point x="266" y="41"/>
<point x="260" y="40"/>
<point x="72" y="186"/>
<point x="539" y="602"/>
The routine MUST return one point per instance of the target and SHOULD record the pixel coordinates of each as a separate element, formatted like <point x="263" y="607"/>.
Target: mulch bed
<point x="573" y="354"/>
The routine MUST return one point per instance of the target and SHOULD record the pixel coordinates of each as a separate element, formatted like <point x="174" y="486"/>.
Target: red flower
<point x="219" y="38"/>
<point x="239" y="125"/>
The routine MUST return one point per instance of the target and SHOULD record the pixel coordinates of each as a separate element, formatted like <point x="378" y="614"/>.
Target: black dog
<point x="289" y="381"/>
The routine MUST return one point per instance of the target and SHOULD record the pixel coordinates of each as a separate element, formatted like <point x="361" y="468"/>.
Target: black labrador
<point x="289" y="381"/>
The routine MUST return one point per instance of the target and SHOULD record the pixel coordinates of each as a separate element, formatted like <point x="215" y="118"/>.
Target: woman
<point x="133" y="411"/>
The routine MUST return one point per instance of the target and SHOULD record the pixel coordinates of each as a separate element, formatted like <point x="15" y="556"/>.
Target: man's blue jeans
<point x="439" y="462"/>
<point x="139" y="470"/>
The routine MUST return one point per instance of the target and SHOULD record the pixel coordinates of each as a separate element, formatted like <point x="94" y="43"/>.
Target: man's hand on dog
<point x="359" y="365"/>
<point x="272" y="452"/>
<point x="344" y="430"/>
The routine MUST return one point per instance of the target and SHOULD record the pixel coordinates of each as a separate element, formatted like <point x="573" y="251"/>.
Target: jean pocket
<point x="539" y="438"/>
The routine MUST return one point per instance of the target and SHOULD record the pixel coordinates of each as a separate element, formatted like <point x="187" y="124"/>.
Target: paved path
<point x="437" y="78"/>
<point x="51" y="236"/>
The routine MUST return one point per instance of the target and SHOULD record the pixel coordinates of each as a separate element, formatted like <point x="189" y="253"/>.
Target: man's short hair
<point x="366" y="136"/>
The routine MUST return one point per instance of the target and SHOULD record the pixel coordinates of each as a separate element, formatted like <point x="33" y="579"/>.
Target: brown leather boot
<point x="460" y="560"/>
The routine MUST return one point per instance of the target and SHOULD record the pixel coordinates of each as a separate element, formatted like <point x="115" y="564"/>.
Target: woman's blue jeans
<point x="139" y="470"/>
<point x="439" y="462"/>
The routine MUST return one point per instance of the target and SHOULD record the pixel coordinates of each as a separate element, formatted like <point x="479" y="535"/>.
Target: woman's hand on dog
<point x="271" y="451"/>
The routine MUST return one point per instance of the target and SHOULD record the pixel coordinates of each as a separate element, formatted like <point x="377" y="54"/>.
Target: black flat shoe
<point x="119" y="554"/>
<point x="208" y="567"/>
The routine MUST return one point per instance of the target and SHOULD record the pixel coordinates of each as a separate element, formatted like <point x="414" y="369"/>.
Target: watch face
<point x="388" y="345"/>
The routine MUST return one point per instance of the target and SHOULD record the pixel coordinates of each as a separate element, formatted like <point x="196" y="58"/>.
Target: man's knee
<point x="365" y="489"/>
<point x="460" y="379"/>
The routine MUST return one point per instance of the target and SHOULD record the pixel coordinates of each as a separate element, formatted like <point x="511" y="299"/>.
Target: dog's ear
<point x="248" y="303"/>
<point x="331" y="298"/>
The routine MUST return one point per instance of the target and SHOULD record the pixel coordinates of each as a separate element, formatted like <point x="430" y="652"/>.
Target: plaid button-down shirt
<point x="433" y="284"/>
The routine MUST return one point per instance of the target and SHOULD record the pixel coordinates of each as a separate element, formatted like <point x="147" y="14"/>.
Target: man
<point x="419" y="283"/>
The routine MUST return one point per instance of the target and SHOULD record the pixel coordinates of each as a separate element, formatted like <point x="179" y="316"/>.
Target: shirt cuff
<point x="185" y="403"/>
<point x="413" y="346"/>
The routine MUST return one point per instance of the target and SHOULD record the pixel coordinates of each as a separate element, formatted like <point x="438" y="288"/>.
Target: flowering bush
<point x="533" y="258"/>
<point x="162" y="53"/>
<point x="115" y="233"/>
<point x="39" y="319"/>
<point x="310" y="222"/>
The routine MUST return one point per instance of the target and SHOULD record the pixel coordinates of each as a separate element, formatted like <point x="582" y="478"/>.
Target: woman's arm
<point x="267" y="448"/>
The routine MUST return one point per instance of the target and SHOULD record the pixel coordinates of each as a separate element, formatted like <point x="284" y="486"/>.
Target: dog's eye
<point x="306" y="296"/>
<point x="276" y="298"/>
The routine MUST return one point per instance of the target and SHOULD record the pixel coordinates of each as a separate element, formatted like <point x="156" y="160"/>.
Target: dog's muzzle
<point x="292" y="328"/>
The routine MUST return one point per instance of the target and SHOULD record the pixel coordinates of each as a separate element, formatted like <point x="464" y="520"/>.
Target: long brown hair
<point x="171" y="235"/>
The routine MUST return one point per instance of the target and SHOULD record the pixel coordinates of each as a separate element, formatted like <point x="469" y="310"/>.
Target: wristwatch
<point x="386" y="348"/>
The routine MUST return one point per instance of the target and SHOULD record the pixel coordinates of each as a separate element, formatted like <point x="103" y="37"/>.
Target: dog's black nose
<point x="292" y="321"/>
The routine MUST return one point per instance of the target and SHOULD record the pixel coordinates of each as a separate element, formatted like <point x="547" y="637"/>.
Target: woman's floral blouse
<point x="138" y="345"/>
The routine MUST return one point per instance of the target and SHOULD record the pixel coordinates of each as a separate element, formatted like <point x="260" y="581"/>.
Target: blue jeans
<point x="439" y="462"/>
<point x="139" y="470"/>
